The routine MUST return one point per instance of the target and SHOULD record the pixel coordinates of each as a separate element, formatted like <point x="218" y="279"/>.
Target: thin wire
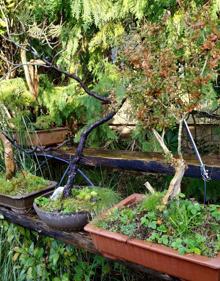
<point x="67" y="162"/>
<point x="204" y="172"/>
<point x="64" y="174"/>
<point x="91" y="184"/>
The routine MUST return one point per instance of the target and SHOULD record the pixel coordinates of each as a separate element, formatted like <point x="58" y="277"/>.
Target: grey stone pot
<point x="68" y="222"/>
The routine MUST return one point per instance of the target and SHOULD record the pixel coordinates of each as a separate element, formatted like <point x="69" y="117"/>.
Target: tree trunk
<point x="31" y="74"/>
<point x="179" y="166"/>
<point x="79" y="151"/>
<point x="9" y="157"/>
<point x="175" y="184"/>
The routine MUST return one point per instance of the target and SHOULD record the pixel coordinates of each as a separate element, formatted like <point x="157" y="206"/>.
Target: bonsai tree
<point x="171" y="66"/>
<point x="168" y="67"/>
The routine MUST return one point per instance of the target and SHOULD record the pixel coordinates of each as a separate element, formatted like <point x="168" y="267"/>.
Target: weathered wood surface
<point x="31" y="221"/>
<point x="78" y="239"/>
<point x="140" y="161"/>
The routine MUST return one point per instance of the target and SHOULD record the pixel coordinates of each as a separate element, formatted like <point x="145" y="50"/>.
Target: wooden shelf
<point x="139" y="161"/>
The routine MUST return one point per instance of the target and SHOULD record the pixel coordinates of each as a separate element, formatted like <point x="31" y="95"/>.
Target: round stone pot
<point x="67" y="222"/>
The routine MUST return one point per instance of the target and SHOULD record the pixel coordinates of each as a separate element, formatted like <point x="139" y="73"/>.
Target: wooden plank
<point x="31" y="221"/>
<point x="140" y="161"/>
<point x="78" y="239"/>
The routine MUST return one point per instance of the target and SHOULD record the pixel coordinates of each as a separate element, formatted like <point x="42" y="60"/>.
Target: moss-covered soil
<point x="93" y="199"/>
<point x="22" y="184"/>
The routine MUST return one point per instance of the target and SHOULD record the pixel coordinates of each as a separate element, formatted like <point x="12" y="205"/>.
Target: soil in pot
<point x="19" y="192"/>
<point x="185" y="225"/>
<point x="74" y="212"/>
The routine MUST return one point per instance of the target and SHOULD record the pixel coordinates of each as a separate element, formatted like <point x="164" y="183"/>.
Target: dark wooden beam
<point x="32" y="222"/>
<point x="78" y="239"/>
<point x="140" y="161"/>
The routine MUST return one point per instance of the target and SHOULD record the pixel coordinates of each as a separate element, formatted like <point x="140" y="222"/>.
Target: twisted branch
<point x="79" y="151"/>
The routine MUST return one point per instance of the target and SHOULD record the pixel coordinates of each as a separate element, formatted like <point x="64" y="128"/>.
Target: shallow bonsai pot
<point x="68" y="222"/>
<point x="154" y="256"/>
<point x="45" y="137"/>
<point x="23" y="203"/>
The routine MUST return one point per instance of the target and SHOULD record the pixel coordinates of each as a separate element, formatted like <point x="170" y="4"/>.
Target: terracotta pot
<point x="154" y="256"/>
<point x="44" y="137"/>
<point x="23" y="203"/>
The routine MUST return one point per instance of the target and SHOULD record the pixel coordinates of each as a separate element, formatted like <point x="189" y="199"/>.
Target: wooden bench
<point x="139" y="161"/>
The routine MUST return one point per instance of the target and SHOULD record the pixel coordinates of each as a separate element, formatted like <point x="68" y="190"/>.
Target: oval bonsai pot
<point x="68" y="222"/>
<point x="161" y="258"/>
<point x="23" y="203"/>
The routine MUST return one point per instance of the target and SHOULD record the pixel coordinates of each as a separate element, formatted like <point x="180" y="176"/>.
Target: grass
<point x="23" y="183"/>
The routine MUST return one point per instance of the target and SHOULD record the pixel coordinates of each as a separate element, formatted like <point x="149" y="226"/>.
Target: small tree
<point x="171" y="66"/>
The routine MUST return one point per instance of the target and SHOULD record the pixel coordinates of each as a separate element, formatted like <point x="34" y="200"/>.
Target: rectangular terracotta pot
<point x="23" y="203"/>
<point x="44" y="137"/>
<point x="154" y="256"/>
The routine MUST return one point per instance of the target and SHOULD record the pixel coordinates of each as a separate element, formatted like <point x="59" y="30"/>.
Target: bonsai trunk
<point x="9" y="157"/>
<point x="79" y="151"/>
<point x="177" y="163"/>
<point x="175" y="184"/>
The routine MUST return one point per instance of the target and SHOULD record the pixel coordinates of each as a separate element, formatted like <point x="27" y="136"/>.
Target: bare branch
<point x="79" y="151"/>
<point x="161" y="142"/>
<point x="82" y="84"/>
<point x="105" y="100"/>
<point x="202" y="114"/>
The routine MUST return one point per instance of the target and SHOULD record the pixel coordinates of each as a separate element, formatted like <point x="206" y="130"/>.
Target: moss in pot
<point x="74" y="211"/>
<point x="21" y="184"/>
<point x="19" y="192"/>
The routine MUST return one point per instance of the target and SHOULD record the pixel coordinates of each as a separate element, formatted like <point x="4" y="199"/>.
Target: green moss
<point x="93" y="200"/>
<point x="44" y="122"/>
<point x="23" y="183"/>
